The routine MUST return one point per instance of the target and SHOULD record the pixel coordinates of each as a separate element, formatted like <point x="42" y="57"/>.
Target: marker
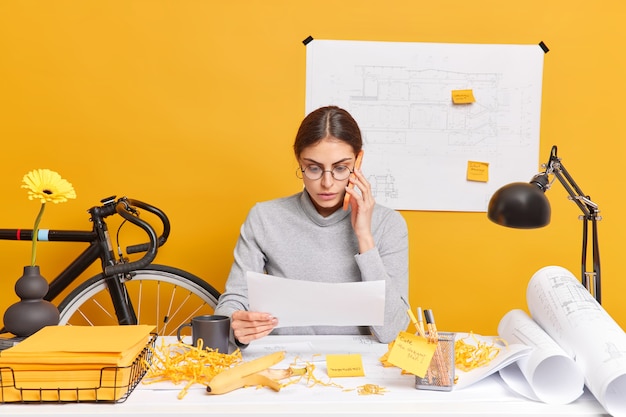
<point x="430" y="322"/>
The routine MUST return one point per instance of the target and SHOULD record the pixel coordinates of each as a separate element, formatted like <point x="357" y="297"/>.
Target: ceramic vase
<point x="33" y="312"/>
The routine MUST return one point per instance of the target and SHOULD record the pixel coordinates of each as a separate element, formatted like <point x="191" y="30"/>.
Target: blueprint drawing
<point x="418" y="143"/>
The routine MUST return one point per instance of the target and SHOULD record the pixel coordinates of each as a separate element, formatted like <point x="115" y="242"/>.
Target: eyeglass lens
<point x="314" y="172"/>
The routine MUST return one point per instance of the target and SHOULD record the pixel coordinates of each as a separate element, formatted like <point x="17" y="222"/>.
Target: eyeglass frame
<point x="301" y="173"/>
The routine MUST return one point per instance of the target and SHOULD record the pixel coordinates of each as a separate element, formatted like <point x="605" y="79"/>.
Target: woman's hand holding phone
<point x="357" y="165"/>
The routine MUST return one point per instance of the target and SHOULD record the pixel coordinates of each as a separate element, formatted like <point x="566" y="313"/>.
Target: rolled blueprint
<point x="548" y="373"/>
<point x="562" y="306"/>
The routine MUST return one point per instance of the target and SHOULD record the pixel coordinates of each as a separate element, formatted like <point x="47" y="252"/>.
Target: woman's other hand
<point x="362" y="205"/>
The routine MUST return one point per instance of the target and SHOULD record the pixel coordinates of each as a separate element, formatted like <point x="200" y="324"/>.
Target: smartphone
<point x="357" y="165"/>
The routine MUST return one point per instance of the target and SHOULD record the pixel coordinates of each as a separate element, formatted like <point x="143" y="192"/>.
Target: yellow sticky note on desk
<point x="462" y="96"/>
<point x="477" y="171"/>
<point x="412" y="353"/>
<point x="344" y="365"/>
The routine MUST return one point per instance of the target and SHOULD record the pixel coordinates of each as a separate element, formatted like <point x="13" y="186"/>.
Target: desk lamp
<point x="524" y="206"/>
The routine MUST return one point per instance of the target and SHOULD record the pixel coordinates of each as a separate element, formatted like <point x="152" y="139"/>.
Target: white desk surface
<point x="484" y="398"/>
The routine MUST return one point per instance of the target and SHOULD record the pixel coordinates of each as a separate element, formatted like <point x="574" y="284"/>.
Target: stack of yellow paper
<point x="72" y="363"/>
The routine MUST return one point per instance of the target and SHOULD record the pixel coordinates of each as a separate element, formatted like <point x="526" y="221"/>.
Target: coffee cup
<point x="214" y="331"/>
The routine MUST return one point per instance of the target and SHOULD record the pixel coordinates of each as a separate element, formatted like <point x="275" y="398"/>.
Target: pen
<point x="410" y="313"/>
<point x="420" y="327"/>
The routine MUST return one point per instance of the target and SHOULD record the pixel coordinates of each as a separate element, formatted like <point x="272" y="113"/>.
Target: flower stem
<point x="33" y="255"/>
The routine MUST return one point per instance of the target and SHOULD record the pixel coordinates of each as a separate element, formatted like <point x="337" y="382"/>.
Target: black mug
<point x="213" y="330"/>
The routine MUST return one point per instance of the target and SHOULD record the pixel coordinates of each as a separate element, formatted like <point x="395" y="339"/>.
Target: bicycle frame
<point x="100" y="247"/>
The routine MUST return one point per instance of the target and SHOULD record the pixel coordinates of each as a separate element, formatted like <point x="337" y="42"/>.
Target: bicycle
<point x="125" y="292"/>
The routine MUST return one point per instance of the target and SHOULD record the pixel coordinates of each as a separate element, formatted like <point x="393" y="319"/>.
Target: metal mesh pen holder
<point x="440" y="373"/>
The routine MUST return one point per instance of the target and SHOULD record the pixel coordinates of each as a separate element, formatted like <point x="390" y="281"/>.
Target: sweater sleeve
<point x="389" y="260"/>
<point x="248" y="257"/>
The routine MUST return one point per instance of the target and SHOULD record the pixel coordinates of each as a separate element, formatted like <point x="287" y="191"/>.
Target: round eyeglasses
<point x="315" y="172"/>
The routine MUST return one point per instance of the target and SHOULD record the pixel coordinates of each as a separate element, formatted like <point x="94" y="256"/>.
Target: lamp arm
<point x="596" y="263"/>
<point x="590" y="280"/>
<point x="588" y="207"/>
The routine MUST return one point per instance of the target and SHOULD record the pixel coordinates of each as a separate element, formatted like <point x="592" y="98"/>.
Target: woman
<point x="309" y="236"/>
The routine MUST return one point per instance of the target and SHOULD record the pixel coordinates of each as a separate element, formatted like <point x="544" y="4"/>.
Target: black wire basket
<point x="110" y="384"/>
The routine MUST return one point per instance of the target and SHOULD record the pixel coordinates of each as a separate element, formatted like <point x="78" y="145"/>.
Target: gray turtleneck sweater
<point x="288" y="238"/>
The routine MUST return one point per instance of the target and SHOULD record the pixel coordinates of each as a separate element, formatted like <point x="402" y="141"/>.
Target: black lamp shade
<point x="520" y="205"/>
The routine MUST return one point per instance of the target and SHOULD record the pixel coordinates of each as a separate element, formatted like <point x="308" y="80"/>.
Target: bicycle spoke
<point x="168" y="316"/>
<point x="103" y="309"/>
<point x="190" y="314"/>
<point x="171" y="316"/>
<point x="85" y="317"/>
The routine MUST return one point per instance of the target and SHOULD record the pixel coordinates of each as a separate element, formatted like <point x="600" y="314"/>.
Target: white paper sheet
<point x="305" y="303"/>
<point x="548" y="374"/>
<point x="400" y="94"/>
<point x="559" y="303"/>
<point x="507" y="355"/>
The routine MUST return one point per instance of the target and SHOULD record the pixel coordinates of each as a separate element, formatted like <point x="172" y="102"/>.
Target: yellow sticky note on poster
<point x="344" y="365"/>
<point x="462" y="96"/>
<point x="412" y="353"/>
<point x="477" y="171"/>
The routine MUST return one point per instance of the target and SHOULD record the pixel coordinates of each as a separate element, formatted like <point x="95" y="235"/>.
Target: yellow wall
<point x="193" y="105"/>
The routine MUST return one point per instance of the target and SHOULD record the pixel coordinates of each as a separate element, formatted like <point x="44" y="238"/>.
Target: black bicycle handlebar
<point x="126" y="208"/>
<point x="164" y="221"/>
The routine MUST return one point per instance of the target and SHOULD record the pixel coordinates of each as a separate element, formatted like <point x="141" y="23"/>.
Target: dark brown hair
<point x="324" y="122"/>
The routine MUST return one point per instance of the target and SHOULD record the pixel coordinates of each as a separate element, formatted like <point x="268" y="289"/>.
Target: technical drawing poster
<point x="420" y="147"/>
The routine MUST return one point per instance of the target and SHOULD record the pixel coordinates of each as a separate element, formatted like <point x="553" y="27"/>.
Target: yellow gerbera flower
<point x="47" y="186"/>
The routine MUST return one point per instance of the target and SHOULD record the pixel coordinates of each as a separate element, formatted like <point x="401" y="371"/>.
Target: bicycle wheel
<point x="161" y="295"/>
